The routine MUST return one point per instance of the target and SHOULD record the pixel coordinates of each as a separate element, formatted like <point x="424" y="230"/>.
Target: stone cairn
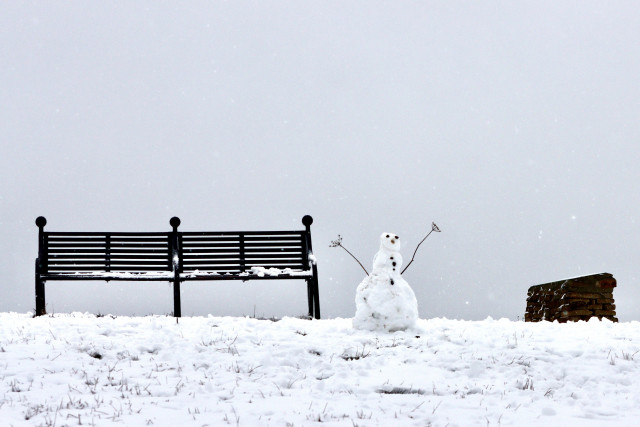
<point x="580" y="298"/>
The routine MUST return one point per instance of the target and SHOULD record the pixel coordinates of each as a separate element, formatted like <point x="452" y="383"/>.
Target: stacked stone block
<point x="580" y="298"/>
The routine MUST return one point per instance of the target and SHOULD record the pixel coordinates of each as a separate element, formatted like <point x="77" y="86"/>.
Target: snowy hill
<point x="80" y="369"/>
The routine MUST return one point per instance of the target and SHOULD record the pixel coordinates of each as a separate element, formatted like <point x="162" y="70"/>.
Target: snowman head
<point x="390" y="242"/>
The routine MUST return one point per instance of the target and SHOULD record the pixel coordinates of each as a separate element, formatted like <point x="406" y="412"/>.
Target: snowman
<point x="384" y="300"/>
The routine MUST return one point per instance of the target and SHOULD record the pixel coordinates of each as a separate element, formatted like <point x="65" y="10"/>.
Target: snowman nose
<point x="393" y="242"/>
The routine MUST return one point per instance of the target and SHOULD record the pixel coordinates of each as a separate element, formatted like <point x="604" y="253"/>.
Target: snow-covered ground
<point x="81" y="369"/>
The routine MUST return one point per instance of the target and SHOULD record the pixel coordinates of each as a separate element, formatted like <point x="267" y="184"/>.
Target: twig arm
<point x="365" y="270"/>
<point x="435" y="228"/>
<point x="338" y="242"/>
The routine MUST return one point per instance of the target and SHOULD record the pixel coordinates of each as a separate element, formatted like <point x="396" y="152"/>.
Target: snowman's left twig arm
<point x="338" y="242"/>
<point x="435" y="228"/>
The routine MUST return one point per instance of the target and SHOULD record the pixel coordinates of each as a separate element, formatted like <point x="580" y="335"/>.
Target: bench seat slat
<point x="90" y="233"/>
<point x="160" y="239"/>
<point x="247" y="262"/>
<point x="247" y="244"/>
<point x="115" y="245"/>
<point x="139" y="250"/>
<point x="216" y="239"/>
<point x="56" y="257"/>
<point x="62" y="262"/>
<point x="191" y="234"/>
<point x="117" y="257"/>
<point x="56" y="240"/>
<point x="197" y="251"/>
<point x="256" y="245"/>
<point x="54" y="251"/>
<point x="53" y="257"/>
<point x="105" y="256"/>
<point x="102" y="269"/>
<point x="118" y="275"/>
<point x="139" y="245"/>
<point x="238" y="268"/>
<point x="272" y="244"/>
<point x="253" y="244"/>
<point x="55" y="245"/>
<point x="104" y="263"/>
<point x="246" y="256"/>
<point x="237" y="261"/>
<point x="238" y="275"/>
<point x="268" y="251"/>
<point x="89" y="238"/>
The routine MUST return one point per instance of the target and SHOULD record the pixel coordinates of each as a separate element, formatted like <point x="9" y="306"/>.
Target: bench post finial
<point x="175" y="223"/>
<point x="40" y="267"/>
<point x="41" y="222"/>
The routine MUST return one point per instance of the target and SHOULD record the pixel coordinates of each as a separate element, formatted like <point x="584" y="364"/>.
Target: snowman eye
<point x="397" y="237"/>
<point x="387" y="236"/>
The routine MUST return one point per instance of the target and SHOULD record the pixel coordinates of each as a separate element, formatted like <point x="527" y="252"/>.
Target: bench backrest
<point x="106" y="252"/>
<point x="226" y="252"/>
<point x="237" y="252"/>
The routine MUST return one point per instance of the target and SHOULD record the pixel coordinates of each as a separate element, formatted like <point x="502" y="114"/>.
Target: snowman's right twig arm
<point x="338" y="242"/>
<point x="435" y="228"/>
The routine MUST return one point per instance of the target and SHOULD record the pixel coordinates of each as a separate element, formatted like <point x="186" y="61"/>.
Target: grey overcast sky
<point x="513" y="125"/>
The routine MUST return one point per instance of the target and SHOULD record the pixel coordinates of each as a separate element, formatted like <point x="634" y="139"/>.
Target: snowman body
<point x="384" y="300"/>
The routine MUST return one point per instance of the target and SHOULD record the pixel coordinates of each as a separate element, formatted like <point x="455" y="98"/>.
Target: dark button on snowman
<point x="384" y="300"/>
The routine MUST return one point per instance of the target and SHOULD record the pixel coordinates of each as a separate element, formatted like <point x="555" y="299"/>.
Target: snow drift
<point x="82" y="369"/>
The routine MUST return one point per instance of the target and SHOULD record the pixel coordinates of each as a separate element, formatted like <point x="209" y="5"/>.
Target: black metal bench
<point x="176" y="257"/>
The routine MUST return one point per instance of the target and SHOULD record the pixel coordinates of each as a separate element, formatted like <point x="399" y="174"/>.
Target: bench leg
<point x="313" y="298"/>
<point x="316" y="298"/>
<point x="40" y="299"/>
<point x="310" y="297"/>
<point x="177" y="312"/>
